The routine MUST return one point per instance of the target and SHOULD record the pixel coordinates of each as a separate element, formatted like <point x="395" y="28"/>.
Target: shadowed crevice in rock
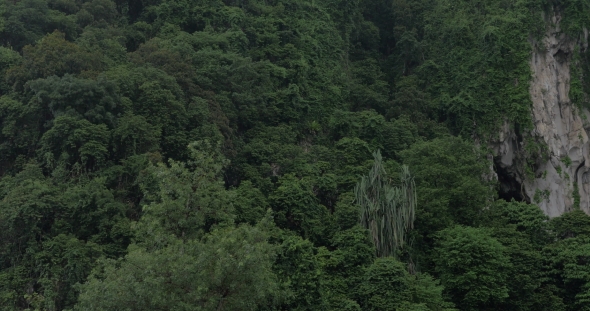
<point x="509" y="188"/>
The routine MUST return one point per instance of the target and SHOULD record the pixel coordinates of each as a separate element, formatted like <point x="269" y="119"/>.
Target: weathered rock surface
<point x="558" y="124"/>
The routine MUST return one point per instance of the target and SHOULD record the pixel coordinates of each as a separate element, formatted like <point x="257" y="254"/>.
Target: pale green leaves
<point x="387" y="211"/>
<point x="230" y="269"/>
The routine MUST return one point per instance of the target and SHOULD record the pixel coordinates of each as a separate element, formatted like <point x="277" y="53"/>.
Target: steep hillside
<point x="294" y="155"/>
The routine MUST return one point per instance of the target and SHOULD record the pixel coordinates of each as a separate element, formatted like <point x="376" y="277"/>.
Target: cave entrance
<point x="509" y="189"/>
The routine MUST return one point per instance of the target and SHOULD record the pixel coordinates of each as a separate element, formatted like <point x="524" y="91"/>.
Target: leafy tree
<point x="566" y="263"/>
<point x="573" y="224"/>
<point x="8" y="58"/>
<point x="389" y="286"/>
<point x="174" y="58"/>
<point x="370" y="90"/>
<point x="386" y="285"/>
<point x="523" y="229"/>
<point x="372" y="128"/>
<point x="22" y="125"/>
<point x="2" y="12"/>
<point x="108" y="42"/>
<point x="250" y="204"/>
<point x="29" y="205"/>
<point x="450" y="180"/>
<point x="297" y="209"/>
<point x="95" y="215"/>
<point x="102" y="11"/>
<point x="41" y="263"/>
<point x="99" y="100"/>
<point x="476" y="62"/>
<point x="74" y="145"/>
<point x="96" y="101"/>
<point x="350" y="251"/>
<point x="270" y="152"/>
<point x="61" y="263"/>
<point x="185" y="200"/>
<point x="352" y="151"/>
<point x="566" y="259"/>
<point x="346" y="213"/>
<point x="156" y="96"/>
<point x="473" y="267"/>
<point x="230" y="269"/>
<point x="52" y="55"/>
<point x="410" y="99"/>
<point x="24" y="22"/>
<point x="299" y="270"/>
<point x="135" y="135"/>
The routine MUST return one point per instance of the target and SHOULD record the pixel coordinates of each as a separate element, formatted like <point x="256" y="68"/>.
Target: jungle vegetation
<point x="273" y="155"/>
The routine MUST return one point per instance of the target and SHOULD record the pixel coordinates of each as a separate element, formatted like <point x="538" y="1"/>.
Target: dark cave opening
<point x="509" y="188"/>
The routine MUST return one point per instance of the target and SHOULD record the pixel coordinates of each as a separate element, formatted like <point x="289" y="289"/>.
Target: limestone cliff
<point x="559" y="126"/>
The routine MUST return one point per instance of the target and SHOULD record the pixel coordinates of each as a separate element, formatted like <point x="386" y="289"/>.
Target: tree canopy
<point x="274" y="155"/>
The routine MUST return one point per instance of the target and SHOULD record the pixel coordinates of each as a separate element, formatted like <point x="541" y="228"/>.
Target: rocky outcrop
<point x="562" y="172"/>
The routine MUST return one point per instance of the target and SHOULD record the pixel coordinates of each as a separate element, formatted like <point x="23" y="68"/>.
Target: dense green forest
<point x="274" y="155"/>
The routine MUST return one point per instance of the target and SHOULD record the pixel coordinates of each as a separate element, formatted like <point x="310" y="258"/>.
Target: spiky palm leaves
<point x="387" y="211"/>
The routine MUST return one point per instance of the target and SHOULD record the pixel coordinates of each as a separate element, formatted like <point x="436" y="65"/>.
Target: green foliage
<point x="299" y="270"/>
<point x="156" y="96"/>
<point x="28" y="200"/>
<point x="24" y="22"/>
<point x="36" y="255"/>
<point x="352" y="251"/>
<point x="108" y="43"/>
<point x="52" y="55"/>
<point x="8" y="58"/>
<point x="449" y="175"/>
<point x="566" y="266"/>
<point x="373" y="129"/>
<point x="346" y="213"/>
<point x="521" y="217"/>
<point x="63" y="262"/>
<point x="576" y="93"/>
<point x="572" y="224"/>
<point x="230" y="269"/>
<point x="20" y="130"/>
<point x="250" y="204"/>
<point x="184" y="200"/>
<point x="297" y="209"/>
<point x="370" y="90"/>
<point x="386" y="285"/>
<point x="201" y="155"/>
<point x="389" y="286"/>
<point x="135" y="135"/>
<point x="473" y="267"/>
<point x="388" y="212"/>
<point x="94" y="101"/>
<point x="476" y="62"/>
<point x="74" y="144"/>
<point x="524" y="230"/>
<point x="2" y="13"/>
<point x="575" y="13"/>
<point x="411" y="100"/>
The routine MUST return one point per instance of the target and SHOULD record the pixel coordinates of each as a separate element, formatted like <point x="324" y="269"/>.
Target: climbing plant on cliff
<point x="388" y="211"/>
<point x="476" y="66"/>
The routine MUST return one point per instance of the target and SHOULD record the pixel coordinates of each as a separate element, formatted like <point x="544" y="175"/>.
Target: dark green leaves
<point x="472" y="266"/>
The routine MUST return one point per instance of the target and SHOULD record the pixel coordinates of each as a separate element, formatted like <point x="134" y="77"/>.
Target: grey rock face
<point x="558" y="124"/>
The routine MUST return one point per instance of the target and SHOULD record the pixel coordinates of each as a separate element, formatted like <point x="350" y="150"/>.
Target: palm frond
<point x="388" y="212"/>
